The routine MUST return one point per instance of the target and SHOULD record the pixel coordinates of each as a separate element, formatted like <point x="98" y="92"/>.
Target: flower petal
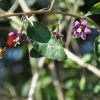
<point x="15" y="31"/>
<point x="87" y="31"/>
<point x="77" y="23"/>
<point x="74" y="28"/>
<point x="54" y="32"/>
<point x="76" y="34"/>
<point x="24" y="38"/>
<point x="83" y="36"/>
<point x="84" y="22"/>
<point x="11" y="34"/>
<point x="60" y="35"/>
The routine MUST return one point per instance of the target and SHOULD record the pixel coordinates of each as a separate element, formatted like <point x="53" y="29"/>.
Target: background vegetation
<point x="65" y="80"/>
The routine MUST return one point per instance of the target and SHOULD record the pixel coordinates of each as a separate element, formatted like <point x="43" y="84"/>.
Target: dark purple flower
<point x="18" y="36"/>
<point x="57" y="35"/>
<point x="80" y="29"/>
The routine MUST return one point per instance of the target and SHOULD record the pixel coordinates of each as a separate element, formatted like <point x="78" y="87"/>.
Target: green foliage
<point x="82" y="83"/>
<point x="25" y="88"/>
<point x="97" y="47"/>
<point x="54" y="27"/>
<point x="94" y="10"/>
<point x="70" y="83"/>
<point x="96" y="88"/>
<point x="46" y="81"/>
<point x="35" y="54"/>
<point x="73" y="85"/>
<point x="44" y="42"/>
<point x="86" y="57"/>
<point x="30" y="2"/>
<point x="73" y="2"/>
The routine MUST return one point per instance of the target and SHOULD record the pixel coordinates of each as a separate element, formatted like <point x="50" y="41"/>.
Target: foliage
<point x="34" y="40"/>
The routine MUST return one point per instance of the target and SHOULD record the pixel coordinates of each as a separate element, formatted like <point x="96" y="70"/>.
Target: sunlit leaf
<point x="70" y="83"/>
<point x="25" y="88"/>
<point x="97" y="88"/>
<point x="82" y="83"/>
<point x="86" y="57"/>
<point x="94" y="10"/>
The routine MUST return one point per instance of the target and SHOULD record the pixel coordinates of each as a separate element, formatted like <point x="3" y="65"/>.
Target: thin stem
<point x="13" y="7"/>
<point x="52" y="3"/>
<point x="79" y="61"/>
<point x="49" y="12"/>
<point x="92" y="22"/>
<point x="3" y="93"/>
<point x="39" y="12"/>
<point x="56" y="82"/>
<point x="75" y="8"/>
<point x="35" y="79"/>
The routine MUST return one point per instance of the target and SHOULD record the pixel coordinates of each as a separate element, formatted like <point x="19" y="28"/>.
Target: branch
<point x="81" y="63"/>
<point x="13" y="7"/>
<point x="39" y="12"/>
<point x="49" y="12"/>
<point x="56" y="81"/>
<point x="35" y="78"/>
<point x="25" y="8"/>
<point x="10" y="96"/>
<point x="76" y="5"/>
<point x="52" y="3"/>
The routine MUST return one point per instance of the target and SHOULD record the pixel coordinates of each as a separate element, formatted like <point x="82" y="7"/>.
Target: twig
<point x="35" y="78"/>
<point x="39" y="12"/>
<point x="49" y="12"/>
<point x="56" y="81"/>
<point x="52" y="3"/>
<point x="71" y="23"/>
<point x="78" y="60"/>
<point x="13" y="7"/>
<point x="25" y="8"/>
<point x="10" y="96"/>
<point x="13" y="92"/>
<point x="41" y="62"/>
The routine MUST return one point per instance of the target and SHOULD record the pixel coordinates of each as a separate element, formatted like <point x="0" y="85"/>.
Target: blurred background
<point x="76" y="83"/>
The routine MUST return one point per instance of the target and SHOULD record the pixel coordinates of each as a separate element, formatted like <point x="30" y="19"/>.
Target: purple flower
<point x="80" y="29"/>
<point x="24" y="19"/>
<point x="18" y="36"/>
<point x="57" y="35"/>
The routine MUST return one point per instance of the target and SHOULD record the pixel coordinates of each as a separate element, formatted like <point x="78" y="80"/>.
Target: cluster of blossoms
<point x="18" y="36"/>
<point x="57" y="35"/>
<point x="80" y="29"/>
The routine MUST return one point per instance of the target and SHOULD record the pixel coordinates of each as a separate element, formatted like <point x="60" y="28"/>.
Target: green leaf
<point x="97" y="47"/>
<point x="87" y="57"/>
<point x="25" y="88"/>
<point x="30" y="2"/>
<point x="35" y="54"/>
<point x="94" y="10"/>
<point x="82" y="83"/>
<point x="54" y="27"/>
<point x="70" y="83"/>
<point x="97" y="88"/>
<point x="44" y="42"/>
